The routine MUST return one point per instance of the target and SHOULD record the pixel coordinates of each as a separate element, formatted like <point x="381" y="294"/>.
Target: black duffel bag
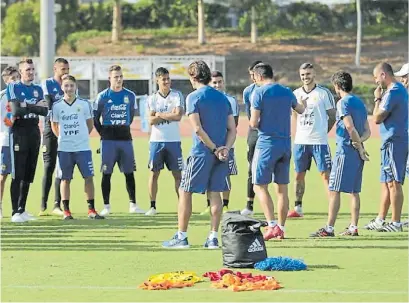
<point x="242" y="241"/>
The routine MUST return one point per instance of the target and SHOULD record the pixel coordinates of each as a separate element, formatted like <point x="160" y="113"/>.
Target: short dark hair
<point x="61" y="60"/>
<point x="115" y="68"/>
<point x="8" y="71"/>
<point x="26" y="60"/>
<point x="306" y="65"/>
<point x="160" y="71"/>
<point x="386" y="68"/>
<point x="264" y="70"/>
<point x="216" y="74"/>
<point x="68" y="77"/>
<point x="343" y="80"/>
<point x="252" y="65"/>
<point x="200" y="71"/>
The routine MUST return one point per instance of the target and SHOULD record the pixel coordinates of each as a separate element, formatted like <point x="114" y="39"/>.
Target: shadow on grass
<point x="117" y="223"/>
<point x="147" y="245"/>
<point x="342" y="246"/>
<point x="96" y="246"/>
<point x="322" y="266"/>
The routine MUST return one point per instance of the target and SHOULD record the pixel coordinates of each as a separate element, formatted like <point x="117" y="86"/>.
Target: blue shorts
<point x="272" y="163"/>
<point x="120" y="152"/>
<point x="394" y="156"/>
<point x="169" y="153"/>
<point x="346" y="172"/>
<point x="303" y="154"/>
<point x="204" y="173"/>
<point x="232" y="163"/>
<point x="5" y="160"/>
<point x="66" y="162"/>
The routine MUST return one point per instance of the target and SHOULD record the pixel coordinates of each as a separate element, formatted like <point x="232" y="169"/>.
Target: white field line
<point x="121" y="288"/>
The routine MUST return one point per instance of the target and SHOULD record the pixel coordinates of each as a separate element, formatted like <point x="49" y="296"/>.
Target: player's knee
<point x="3" y="179"/>
<point x="155" y="175"/>
<point x="333" y="194"/>
<point x="65" y="182"/>
<point x="177" y="175"/>
<point x="259" y="188"/>
<point x="49" y="168"/>
<point x="129" y="177"/>
<point x="394" y="186"/>
<point x="299" y="177"/>
<point x="282" y="189"/>
<point x="89" y="180"/>
<point x="106" y="177"/>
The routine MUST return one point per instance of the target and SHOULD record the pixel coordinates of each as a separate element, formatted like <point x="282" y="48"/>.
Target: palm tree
<point x="116" y="21"/>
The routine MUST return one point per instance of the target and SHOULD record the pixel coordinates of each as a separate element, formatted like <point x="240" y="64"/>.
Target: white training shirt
<point x="169" y="130"/>
<point x="4" y="129"/>
<point x="234" y="105"/>
<point x="312" y="125"/>
<point x="72" y="120"/>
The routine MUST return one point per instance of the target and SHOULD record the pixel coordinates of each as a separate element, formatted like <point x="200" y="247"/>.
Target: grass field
<point x="83" y="260"/>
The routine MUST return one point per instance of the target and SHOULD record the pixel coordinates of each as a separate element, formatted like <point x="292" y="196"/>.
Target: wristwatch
<point x="214" y="150"/>
<point x="377" y="99"/>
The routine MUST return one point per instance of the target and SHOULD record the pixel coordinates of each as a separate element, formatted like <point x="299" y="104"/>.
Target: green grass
<point x="83" y="260"/>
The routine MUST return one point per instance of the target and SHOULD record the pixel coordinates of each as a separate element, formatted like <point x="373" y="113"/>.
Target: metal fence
<point x="139" y="72"/>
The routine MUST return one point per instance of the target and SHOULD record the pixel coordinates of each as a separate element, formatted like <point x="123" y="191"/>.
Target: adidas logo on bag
<point x="255" y="246"/>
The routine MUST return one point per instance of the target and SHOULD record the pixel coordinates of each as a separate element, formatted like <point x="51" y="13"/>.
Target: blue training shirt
<point x="352" y="106"/>
<point x="31" y="94"/>
<point x="213" y="108"/>
<point x="395" y="126"/>
<point x="52" y="88"/>
<point x="274" y="102"/>
<point x="114" y="113"/>
<point x="246" y="97"/>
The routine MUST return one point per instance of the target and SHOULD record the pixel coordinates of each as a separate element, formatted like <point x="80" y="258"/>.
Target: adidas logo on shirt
<point x="255" y="246"/>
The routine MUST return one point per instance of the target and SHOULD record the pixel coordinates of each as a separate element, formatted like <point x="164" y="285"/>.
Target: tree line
<point x="21" y="30"/>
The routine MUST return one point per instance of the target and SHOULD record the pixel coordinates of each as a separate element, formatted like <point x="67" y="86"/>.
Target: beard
<point x="307" y="81"/>
<point x="383" y="85"/>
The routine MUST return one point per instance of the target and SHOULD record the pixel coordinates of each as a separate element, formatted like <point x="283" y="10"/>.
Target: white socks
<point x="212" y="235"/>
<point x="182" y="235"/>
<point x="329" y="228"/>
<point x="379" y="220"/>
<point x="272" y="223"/>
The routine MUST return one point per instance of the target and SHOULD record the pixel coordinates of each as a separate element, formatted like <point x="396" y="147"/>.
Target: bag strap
<point x="256" y="227"/>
